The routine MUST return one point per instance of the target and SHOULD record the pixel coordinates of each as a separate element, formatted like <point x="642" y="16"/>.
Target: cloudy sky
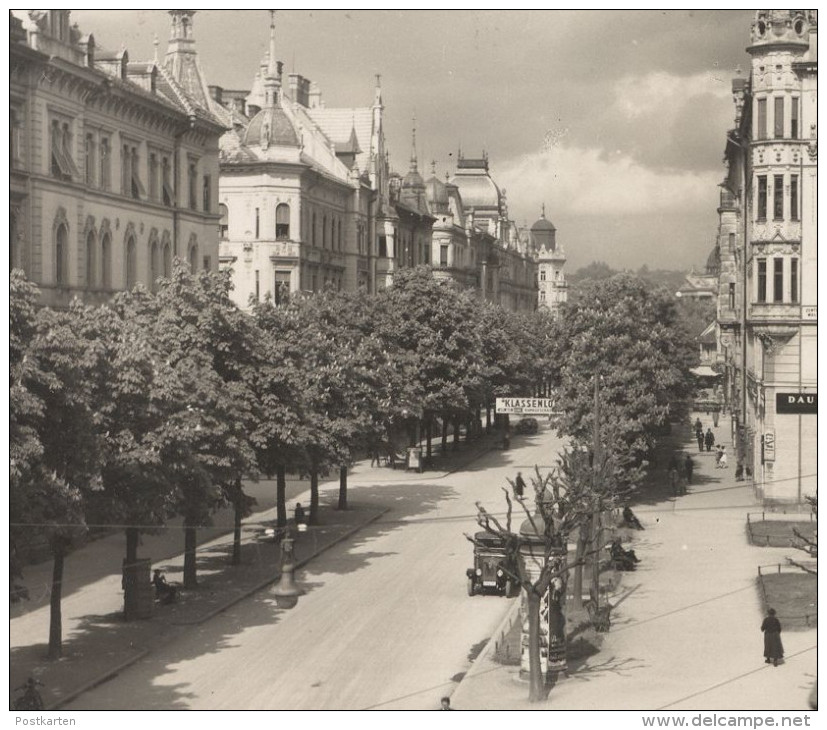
<point x="614" y="119"/>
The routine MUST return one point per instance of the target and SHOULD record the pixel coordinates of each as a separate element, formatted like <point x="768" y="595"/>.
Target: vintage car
<point x="527" y="426"/>
<point x="492" y="570"/>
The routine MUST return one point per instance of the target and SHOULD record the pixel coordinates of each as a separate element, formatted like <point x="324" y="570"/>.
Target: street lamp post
<point x="286" y="591"/>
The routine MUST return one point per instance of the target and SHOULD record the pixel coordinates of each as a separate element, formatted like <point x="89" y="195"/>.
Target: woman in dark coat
<point x="709" y="440"/>
<point x="773" y="649"/>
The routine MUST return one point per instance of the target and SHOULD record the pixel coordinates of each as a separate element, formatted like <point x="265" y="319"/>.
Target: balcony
<point x="778" y="313"/>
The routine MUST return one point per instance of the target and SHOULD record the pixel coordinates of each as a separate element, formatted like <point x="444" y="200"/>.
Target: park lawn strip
<point x="779" y="533"/>
<point x="794" y="597"/>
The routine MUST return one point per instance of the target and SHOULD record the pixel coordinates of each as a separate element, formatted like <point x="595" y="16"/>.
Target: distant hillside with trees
<point x="694" y="315"/>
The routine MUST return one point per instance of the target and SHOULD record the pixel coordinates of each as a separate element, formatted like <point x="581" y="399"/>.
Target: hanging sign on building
<point x="769" y="446"/>
<point x="796" y="402"/>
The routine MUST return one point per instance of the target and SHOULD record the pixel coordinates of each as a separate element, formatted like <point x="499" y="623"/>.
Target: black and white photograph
<point x="413" y="359"/>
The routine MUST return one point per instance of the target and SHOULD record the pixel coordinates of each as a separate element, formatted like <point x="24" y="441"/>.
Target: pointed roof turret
<point x="413" y="146"/>
<point x="181" y="60"/>
<point x="272" y="75"/>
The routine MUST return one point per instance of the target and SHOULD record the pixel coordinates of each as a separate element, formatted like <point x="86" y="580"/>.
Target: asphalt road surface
<point x="385" y="623"/>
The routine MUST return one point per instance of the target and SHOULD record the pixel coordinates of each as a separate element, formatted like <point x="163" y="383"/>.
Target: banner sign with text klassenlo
<point x="526" y="406"/>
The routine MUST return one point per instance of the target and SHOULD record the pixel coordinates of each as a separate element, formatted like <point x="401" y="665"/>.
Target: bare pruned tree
<point x="537" y="550"/>
<point x="805" y="543"/>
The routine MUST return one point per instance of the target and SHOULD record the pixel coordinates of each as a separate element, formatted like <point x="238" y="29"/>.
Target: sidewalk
<point x="98" y="643"/>
<point x="685" y="630"/>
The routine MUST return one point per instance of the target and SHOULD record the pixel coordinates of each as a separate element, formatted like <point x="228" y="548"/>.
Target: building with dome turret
<point x="551" y="260"/>
<point x="303" y="188"/>
<point x="768" y="256"/>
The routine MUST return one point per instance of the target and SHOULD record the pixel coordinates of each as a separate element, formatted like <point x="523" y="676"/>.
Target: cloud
<point x="594" y="182"/>
<point x="663" y="94"/>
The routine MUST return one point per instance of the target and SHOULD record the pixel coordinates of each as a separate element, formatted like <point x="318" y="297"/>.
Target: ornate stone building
<point x="113" y="163"/>
<point x="767" y="292"/>
<point x="474" y="242"/>
<point x="551" y="260"/>
<point x="303" y="188"/>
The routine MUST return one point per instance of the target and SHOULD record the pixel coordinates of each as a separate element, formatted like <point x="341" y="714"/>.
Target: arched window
<point x="193" y="259"/>
<point x="282" y="221"/>
<point x="324" y="232"/>
<point x="91" y="260"/>
<point x="154" y="264"/>
<point x="332" y="233"/>
<point x="340" y="237"/>
<point x="131" y="263"/>
<point x="106" y="261"/>
<point x="313" y="229"/>
<point x="62" y="255"/>
<point x="224" y="223"/>
<point x="167" y="260"/>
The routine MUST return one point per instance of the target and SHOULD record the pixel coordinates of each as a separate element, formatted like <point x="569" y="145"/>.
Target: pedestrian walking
<point x="519" y="485"/>
<point x="718" y="452"/>
<point x="722" y="460"/>
<point x="673" y="480"/>
<point x="445" y="704"/>
<point x="699" y="427"/>
<point x="773" y="648"/>
<point x="700" y="436"/>
<point x="709" y="439"/>
<point x="688" y="467"/>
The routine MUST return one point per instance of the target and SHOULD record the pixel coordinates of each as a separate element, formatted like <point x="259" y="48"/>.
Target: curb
<point x="502" y="628"/>
<point x="95" y="682"/>
<point x="263" y="584"/>
<point x="145" y="652"/>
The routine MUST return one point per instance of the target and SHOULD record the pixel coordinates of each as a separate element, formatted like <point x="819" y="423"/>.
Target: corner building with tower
<point x="767" y="286"/>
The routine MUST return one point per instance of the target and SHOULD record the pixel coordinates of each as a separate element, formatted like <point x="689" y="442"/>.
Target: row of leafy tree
<point x="162" y="403"/>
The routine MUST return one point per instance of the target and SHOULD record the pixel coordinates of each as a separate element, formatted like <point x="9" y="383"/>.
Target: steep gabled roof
<point x="340" y="125"/>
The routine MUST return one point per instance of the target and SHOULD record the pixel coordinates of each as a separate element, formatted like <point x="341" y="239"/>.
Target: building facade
<point x="767" y="294"/>
<point x="552" y="288"/>
<point x="113" y="163"/>
<point x="301" y="188"/>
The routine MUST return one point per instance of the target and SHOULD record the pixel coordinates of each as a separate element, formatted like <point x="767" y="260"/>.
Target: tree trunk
<point x="281" y="495"/>
<point x="55" y="618"/>
<point x="595" y="589"/>
<point x="577" y="589"/>
<point x="342" y="487"/>
<point x="456" y="434"/>
<point x="536" y="680"/>
<point x="487" y="418"/>
<point x="444" y="435"/>
<point x="236" y="559"/>
<point x="190" y="544"/>
<point x="429" y="432"/>
<point x="132" y="537"/>
<point x="313" y="518"/>
<point x="128" y="579"/>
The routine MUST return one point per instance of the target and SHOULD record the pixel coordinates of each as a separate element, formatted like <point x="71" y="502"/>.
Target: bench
<point x="600" y="617"/>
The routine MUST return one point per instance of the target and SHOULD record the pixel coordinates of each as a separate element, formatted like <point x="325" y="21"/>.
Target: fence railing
<point x="771" y="539"/>
<point x="809" y="618"/>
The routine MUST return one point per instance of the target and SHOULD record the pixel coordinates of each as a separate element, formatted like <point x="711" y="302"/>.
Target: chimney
<point x="315" y="96"/>
<point x="216" y="93"/>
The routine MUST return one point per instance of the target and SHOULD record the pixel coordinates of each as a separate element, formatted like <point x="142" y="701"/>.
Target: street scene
<point x="307" y="414"/>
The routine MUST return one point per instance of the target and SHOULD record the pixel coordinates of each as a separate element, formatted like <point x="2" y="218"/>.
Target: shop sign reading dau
<point x="796" y="402"/>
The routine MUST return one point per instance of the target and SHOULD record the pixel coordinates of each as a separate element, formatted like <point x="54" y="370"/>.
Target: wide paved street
<point x="385" y="624"/>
